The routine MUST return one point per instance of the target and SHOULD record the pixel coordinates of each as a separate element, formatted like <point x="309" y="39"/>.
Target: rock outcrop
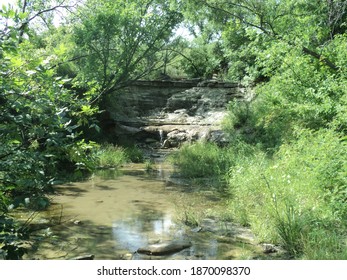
<point x="168" y="113"/>
<point x="164" y="248"/>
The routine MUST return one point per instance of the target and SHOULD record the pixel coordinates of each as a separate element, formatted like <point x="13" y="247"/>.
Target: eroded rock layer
<point x="169" y="113"/>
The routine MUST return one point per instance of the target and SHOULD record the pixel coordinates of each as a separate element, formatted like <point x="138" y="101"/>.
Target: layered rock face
<point x="168" y="113"/>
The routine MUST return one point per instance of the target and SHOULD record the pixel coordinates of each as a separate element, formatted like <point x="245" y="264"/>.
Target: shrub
<point x="260" y="122"/>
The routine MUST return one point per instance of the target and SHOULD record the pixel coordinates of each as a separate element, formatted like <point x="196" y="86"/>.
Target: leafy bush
<point x="12" y="235"/>
<point x="251" y="122"/>
<point x="40" y="120"/>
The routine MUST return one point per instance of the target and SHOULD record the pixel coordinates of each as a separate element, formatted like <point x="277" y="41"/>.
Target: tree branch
<point x="270" y="32"/>
<point x="70" y="60"/>
<point x="241" y="18"/>
<point x="186" y="57"/>
<point x="320" y="57"/>
<point x="48" y="10"/>
<point x="26" y="22"/>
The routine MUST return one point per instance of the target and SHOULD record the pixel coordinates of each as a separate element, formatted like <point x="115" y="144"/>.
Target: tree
<point x="305" y="25"/>
<point x="39" y="128"/>
<point x="117" y="41"/>
<point x="39" y="118"/>
<point x="41" y="14"/>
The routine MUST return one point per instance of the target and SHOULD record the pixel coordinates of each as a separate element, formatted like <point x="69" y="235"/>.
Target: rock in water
<point x="164" y="248"/>
<point x="269" y="248"/>
<point x="85" y="257"/>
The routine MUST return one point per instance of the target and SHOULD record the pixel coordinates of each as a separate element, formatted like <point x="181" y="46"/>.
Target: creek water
<point x="114" y="213"/>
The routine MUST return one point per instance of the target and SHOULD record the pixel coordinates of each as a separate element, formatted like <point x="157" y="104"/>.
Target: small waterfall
<point x="161" y="136"/>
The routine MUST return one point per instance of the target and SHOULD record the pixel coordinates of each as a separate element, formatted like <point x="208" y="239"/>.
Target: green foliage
<point x="299" y="94"/>
<point x="203" y="159"/>
<point x="12" y="235"/>
<point x="286" y="165"/>
<point x="248" y="122"/>
<point x="111" y="156"/>
<point x="299" y="193"/>
<point x="256" y="34"/>
<point x="305" y="97"/>
<point x="118" y="42"/>
<point x="201" y="59"/>
<point x="134" y="154"/>
<point x="292" y="189"/>
<point x="39" y="127"/>
<point x="200" y="160"/>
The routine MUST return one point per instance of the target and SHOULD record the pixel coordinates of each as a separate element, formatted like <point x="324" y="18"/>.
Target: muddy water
<point x="113" y="214"/>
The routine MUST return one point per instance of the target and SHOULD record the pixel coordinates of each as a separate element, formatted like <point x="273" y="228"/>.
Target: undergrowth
<point x="295" y="198"/>
<point x="298" y="198"/>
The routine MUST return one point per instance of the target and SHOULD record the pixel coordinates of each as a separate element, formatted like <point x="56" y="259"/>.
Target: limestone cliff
<point x="167" y="113"/>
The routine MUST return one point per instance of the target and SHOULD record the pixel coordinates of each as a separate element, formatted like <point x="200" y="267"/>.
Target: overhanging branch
<point x="321" y="58"/>
<point x="270" y="32"/>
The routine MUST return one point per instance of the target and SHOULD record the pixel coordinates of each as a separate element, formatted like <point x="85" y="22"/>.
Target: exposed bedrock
<point x="168" y="113"/>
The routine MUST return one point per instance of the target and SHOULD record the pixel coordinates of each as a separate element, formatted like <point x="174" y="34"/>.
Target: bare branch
<point x="67" y="7"/>
<point x="186" y="57"/>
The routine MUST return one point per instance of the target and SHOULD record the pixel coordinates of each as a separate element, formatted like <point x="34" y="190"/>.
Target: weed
<point x="202" y="160"/>
<point x="134" y="154"/>
<point x="290" y="198"/>
<point x="111" y="156"/>
<point x="149" y="166"/>
<point x="189" y="218"/>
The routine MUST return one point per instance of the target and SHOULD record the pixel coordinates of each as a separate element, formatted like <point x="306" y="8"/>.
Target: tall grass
<point x="296" y="198"/>
<point x="134" y="154"/>
<point x="201" y="160"/>
<point x="204" y="159"/>
<point x="111" y="156"/>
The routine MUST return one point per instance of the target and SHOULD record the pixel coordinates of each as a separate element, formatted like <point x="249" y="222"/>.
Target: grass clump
<point x="134" y="154"/>
<point x="110" y="156"/>
<point x="294" y="196"/>
<point x="202" y="159"/>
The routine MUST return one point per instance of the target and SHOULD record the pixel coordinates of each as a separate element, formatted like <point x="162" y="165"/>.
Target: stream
<point x="115" y="212"/>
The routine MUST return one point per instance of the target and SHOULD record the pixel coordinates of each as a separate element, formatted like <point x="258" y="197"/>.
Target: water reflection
<point x="132" y="234"/>
<point x="119" y="212"/>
